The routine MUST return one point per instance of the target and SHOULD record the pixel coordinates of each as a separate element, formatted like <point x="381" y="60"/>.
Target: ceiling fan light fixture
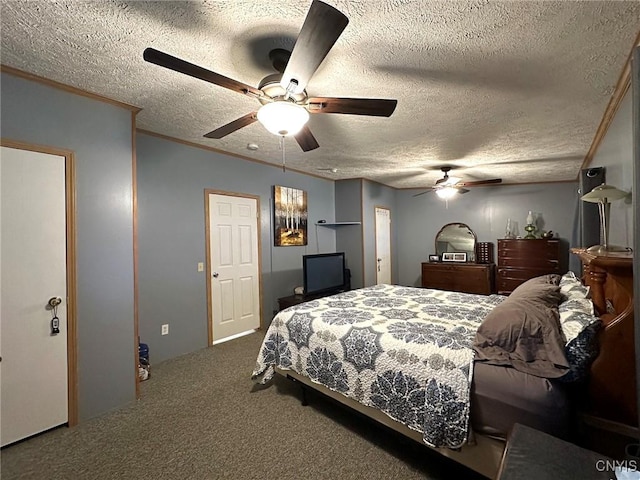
<point x="446" y="192"/>
<point x="283" y="118"/>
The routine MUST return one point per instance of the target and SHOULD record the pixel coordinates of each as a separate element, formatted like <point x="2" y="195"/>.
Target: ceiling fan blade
<point x="231" y="127"/>
<point x="306" y="140"/>
<point x="173" y="63"/>
<point x="422" y="193"/>
<point x="378" y="107"/>
<point x="320" y="31"/>
<point x="462" y="190"/>
<point x="480" y="182"/>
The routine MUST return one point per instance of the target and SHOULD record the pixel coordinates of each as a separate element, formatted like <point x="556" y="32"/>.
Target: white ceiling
<point x="514" y="90"/>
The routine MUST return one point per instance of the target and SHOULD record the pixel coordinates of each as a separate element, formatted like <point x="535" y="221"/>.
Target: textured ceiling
<point x="495" y="89"/>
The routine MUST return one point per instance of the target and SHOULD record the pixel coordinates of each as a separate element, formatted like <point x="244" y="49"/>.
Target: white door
<point x="33" y="370"/>
<point x="383" y="245"/>
<point x="234" y="266"/>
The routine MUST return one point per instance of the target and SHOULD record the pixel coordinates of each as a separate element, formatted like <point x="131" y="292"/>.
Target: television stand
<point x="291" y="300"/>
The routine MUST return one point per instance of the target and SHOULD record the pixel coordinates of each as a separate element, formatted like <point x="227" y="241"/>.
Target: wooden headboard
<point x="612" y="383"/>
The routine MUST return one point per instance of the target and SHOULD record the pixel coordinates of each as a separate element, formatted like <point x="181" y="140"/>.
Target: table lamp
<point x="603" y="195"/>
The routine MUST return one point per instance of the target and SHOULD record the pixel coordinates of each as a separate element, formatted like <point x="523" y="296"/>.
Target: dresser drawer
<point x="544" y="263"/>
<point x="522" y="273"/>
<point x="508" y="278"/>
<point x="468" y="277"/>
<point x="521" y="248"/>
<point x="504" y="286"/>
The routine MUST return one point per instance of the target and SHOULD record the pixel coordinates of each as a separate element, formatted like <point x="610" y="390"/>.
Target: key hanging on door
<point x="55" y="321"/>
<point x="55" y="325"/>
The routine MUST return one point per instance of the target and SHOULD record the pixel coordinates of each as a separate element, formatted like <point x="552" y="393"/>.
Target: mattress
<point x="502" y="396"/>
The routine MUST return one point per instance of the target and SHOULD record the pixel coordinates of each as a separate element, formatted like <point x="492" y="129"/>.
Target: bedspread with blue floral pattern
<point x="405" y="351"/>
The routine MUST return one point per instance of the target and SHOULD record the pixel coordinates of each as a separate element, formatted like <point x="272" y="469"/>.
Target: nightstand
<point x="533" y="455"/>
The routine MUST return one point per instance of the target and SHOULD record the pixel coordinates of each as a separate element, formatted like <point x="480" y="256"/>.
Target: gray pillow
<point x="524" y="332"/>
<point x="543" y="289"/>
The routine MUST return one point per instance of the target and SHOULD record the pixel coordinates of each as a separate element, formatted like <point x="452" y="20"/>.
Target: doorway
<point x="233" y="264"/>
<point x="383" y="245"/>
<point x="37" y="291"/>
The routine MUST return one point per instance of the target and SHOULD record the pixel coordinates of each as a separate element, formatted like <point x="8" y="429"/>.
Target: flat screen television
<point x="323" y="273"/>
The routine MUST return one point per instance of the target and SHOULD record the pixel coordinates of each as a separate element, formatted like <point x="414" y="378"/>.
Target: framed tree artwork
<point x="290" y="216"/>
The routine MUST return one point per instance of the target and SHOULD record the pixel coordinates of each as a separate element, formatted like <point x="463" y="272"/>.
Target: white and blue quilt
<point x="402" y="350"/>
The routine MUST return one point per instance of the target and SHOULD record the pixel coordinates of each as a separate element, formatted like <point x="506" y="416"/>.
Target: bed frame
<point x="612" y="391"/>
<point x="483" y="456"/>
<point x="612" y="382"/>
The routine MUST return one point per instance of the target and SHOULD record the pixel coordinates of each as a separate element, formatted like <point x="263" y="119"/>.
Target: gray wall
<point x="349" y="238"/>
<point x="100" y="136"/>
<point x="172" y="178"/>
<point x="616" y="154"/>
<point x="377" y="195"/>
<point x="485" y="210"/>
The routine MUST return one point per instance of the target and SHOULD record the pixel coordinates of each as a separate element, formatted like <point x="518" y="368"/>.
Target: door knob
<point x="215" y="274"/>
<point x="54" y="302"/>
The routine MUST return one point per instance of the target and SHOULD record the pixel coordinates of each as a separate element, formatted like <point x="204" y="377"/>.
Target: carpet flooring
<point x="202" y="417"/>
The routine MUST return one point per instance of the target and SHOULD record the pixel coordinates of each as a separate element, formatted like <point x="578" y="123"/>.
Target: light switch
<point x="200" y="267"/>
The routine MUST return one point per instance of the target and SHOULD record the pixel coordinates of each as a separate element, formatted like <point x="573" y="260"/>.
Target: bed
<point x="413" y="359"/>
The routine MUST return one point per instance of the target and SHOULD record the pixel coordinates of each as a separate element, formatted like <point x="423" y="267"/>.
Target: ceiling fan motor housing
<point x="272" y="89"/>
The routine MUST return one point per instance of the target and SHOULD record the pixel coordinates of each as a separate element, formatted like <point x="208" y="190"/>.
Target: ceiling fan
<point x="285" y="103"/>
<point x="446" y="187"/>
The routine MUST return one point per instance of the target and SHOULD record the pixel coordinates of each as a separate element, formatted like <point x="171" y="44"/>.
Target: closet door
<point x="383" y="245"/>
<point x="33" y="264"/>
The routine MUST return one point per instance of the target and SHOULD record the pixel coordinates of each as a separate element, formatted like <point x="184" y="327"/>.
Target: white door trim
<point x="208" y="192"/>
<point x="72" y="354"/>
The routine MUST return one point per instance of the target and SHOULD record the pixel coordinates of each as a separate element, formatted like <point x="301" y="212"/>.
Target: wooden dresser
<point x="520" y="259"/>
<point x="459" y="277"/>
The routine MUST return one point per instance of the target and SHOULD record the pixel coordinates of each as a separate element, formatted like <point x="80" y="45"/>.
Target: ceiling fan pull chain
<point x="284" y="169"/>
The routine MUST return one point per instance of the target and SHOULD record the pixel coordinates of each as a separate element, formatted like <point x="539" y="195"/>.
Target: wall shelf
<point x="337" y="224"/>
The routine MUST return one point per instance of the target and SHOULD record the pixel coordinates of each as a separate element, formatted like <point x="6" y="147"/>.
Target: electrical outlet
<point x="165" y="329"/>
<point x="200" y="266"/>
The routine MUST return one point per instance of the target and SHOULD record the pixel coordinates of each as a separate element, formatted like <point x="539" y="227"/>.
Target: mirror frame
<point x="459" y="224"/>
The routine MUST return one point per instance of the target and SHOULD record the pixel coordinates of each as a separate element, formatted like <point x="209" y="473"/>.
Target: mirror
<point x="456" y="237"/>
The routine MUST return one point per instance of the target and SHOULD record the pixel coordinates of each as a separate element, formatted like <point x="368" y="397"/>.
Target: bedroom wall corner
<point x="349" y="238"/>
